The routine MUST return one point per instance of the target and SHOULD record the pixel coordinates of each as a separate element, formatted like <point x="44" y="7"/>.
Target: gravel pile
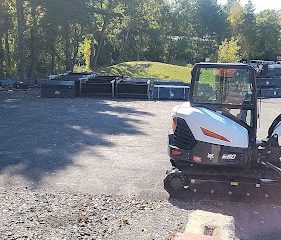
<point x="26" y="214"/>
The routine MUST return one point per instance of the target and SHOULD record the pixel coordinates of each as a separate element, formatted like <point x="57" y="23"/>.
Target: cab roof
<point x="223" y="65"/>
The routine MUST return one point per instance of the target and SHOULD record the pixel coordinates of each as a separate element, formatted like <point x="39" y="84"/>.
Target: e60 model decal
<point x="229" y="156"/>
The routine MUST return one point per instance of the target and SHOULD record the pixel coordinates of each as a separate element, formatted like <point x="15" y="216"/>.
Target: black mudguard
<point x="273" y="125"/>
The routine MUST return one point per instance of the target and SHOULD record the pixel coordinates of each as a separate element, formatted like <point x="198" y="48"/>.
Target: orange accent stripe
<point x="213" y="135"/>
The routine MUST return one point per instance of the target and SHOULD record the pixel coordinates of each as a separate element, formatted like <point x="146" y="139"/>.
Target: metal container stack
<point x="170" y="90"/>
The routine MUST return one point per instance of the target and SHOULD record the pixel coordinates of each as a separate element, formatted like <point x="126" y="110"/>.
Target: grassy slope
<point x="150" y="69"/>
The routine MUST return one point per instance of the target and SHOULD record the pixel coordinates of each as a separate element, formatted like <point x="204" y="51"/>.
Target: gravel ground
<point x="94" y="169"/>
<point x="43" y="215"/>
<point x="30" y="214"/>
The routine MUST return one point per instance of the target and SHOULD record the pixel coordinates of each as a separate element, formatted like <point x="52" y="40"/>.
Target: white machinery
<point x="214" y="136"/>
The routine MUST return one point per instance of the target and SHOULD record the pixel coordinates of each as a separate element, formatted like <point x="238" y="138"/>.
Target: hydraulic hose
<point x="276" y="169"/>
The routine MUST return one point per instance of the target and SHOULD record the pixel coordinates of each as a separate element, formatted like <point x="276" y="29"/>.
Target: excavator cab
<point x="214" y="135"/>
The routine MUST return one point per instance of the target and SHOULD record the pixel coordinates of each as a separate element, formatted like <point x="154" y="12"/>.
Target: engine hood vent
<point x="184" y="138"/>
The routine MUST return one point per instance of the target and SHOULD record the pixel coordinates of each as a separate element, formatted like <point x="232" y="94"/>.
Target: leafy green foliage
<point x="268" y="34"/>
<point x="39" y="37"/>
<point x="229" y="51"/>
<point x="243" y="26"/>
<point x="87" y="54"/>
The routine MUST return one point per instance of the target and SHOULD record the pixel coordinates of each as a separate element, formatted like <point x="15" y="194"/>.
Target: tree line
<point x="40" y="37"/>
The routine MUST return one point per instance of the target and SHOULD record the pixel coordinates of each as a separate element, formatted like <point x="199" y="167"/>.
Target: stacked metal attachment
<point x="269" y="81"/>
<point x="170" y="90"/>
<point x="133" y="88"/>
<point x="67" y="85"/>
<point x="99" y="86"/>
<point x="91" y="85"/>
<point x="269" y="87"/>
<point x="58" y="89"/>
<point x="17" y="83"/>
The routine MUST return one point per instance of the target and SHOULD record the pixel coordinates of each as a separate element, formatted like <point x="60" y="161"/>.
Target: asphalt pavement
<point x="103" y="146"/>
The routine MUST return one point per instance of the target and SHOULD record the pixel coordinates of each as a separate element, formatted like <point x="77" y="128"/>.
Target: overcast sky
<point x="261" y="4"/>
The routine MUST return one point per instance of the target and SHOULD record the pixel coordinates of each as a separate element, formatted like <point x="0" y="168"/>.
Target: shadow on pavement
<point x="41" y="136"/>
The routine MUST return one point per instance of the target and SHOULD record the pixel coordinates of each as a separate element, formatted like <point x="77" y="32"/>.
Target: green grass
<point x="207" y="77"/>
<point x="149" y="70"/>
